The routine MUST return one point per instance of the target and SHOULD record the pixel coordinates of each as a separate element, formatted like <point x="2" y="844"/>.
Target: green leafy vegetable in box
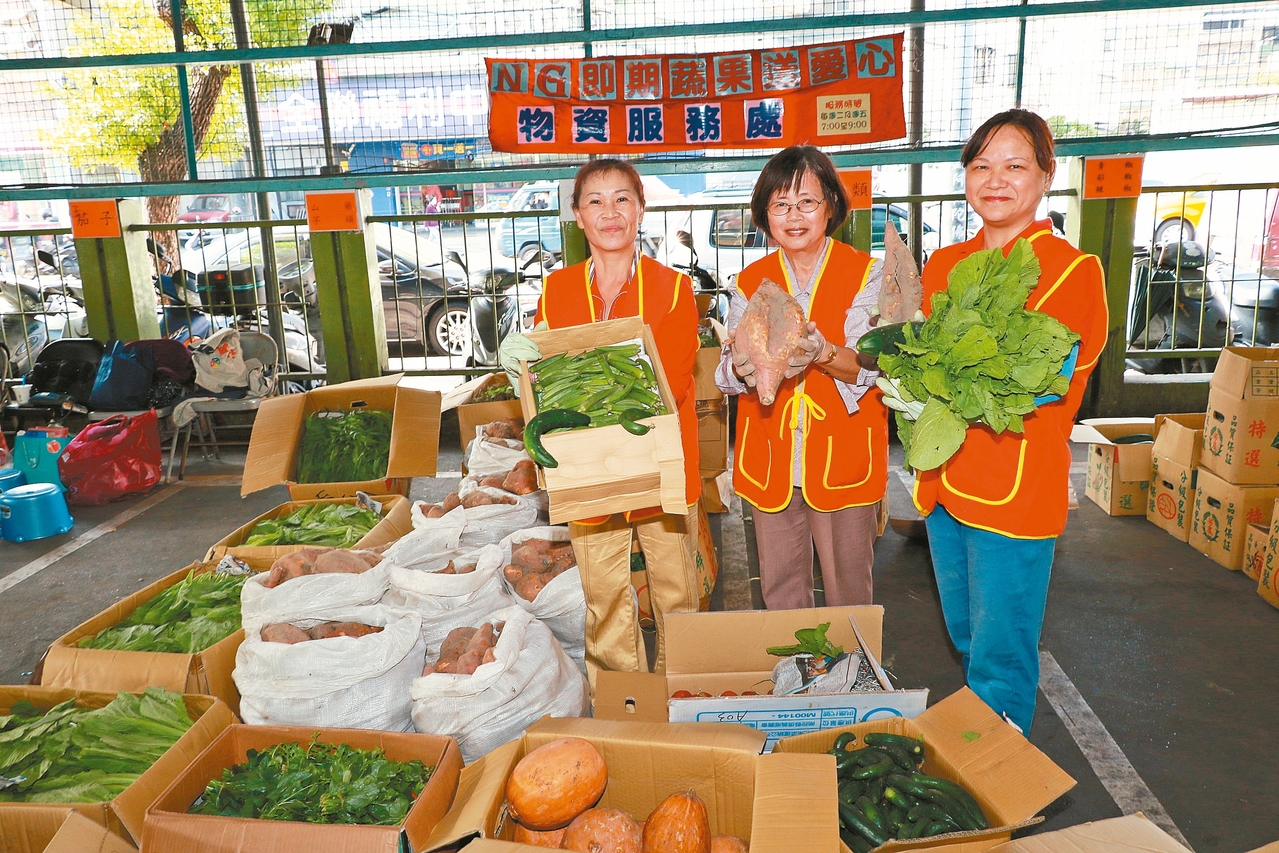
<point x="498" y="389"/>
<point x="981" y="356"/>
<point x="344" y="447"/>
<point x="316" y="783"/>
<point x="70" y="754"/>
<point x="334" y="525"/>
<point x="812" y="641"/>
<point x="186" y="618"/>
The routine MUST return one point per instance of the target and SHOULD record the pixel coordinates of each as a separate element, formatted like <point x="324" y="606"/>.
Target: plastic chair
<point x="253" y="345"/>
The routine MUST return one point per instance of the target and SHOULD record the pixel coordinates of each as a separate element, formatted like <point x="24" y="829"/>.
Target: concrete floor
<point x="1161" y="661"/>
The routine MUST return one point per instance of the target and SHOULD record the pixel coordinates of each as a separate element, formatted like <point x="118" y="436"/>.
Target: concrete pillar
<point x="116" y="272"/>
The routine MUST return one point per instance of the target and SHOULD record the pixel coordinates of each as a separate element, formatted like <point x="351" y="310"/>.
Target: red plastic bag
<point x="112" y="459"/>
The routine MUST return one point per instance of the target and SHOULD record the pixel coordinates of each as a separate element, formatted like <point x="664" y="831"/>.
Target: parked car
<point x="214" y="207"/>
<point x="522" y="236"/>
<point x="1176" y="215"/>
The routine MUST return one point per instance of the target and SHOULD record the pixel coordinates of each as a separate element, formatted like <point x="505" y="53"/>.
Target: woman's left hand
<point x="811" y="347"/>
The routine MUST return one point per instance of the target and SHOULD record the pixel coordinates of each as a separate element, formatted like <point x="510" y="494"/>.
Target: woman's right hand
<point x="742" y="364"/>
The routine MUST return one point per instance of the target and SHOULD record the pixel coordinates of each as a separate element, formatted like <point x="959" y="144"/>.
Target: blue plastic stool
<point x="33" y="511"/>
<point x="10" y="477"/>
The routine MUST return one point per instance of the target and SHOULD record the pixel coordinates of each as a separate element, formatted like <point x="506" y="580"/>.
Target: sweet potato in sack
<point x="769" y="334"/>
<point x="340" y="681"/>
<point x="555" y="586"/>
<point x="486" y="455"/>
<point x="340" y="561"/>
<point x="283" y="632"/>
<point x="508" y="429"/>
<point x="354" y="583"/>
<point x="492" y="518"/>
<point x="522" y="479"/>
<point x="528" y="677"/>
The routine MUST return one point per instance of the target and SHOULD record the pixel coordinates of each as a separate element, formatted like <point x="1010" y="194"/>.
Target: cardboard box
<point x="715" y="652"/>
<point x="712" y="436"/>
<point x="1133" y="833"/>
<point x="124" y="815"/>
<point x="1170" y="502"/>
<point x="396" y="521"/>
<point x="770" y="800"/>
<point x="1256" y="544"/>
<point x="1179" y="437"/>
<point x="1268" y="577"/>
<point x="1242" y="427"/>
<point x="171" y="829"/>
<point x="470" y="415"/>
<point x="272" y="457"/>
<point x="37" y="829"/>
<point x="1118" y="476"/>
<point x="207" y="672"/>
<point x="1222" y="513"/>
<point x="704" y="370"/>
<point x="604" y="470"/>
<point x="967" y="743"/>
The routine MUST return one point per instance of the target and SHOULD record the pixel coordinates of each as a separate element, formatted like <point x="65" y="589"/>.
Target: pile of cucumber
<point x="882" y="794"/>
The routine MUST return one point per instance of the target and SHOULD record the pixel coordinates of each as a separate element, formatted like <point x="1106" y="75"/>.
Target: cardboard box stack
<point x="1173" y="462"/>
<point x="1268" y="574"/>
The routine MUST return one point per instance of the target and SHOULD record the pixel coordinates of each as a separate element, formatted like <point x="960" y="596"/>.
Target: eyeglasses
<point x="804" y="205"/>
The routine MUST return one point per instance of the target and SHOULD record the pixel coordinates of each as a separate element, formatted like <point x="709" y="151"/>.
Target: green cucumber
<point x="842" y="742"/>
<point x="543" y="423"/>
<point x="856" y="821"/>
<point x="875" y="764"/>
<point x="956" y="792"/>
<point x="883" y="340"/>
<point x="914" y="746"/>
<point x="629" y="421"/>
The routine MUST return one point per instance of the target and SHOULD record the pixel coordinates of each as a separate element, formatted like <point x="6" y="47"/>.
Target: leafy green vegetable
<point x="811" y="641"/>
<point x="342" y="447"/>
<point x="76" y="755"/>
<point x="335" y="525"/>
<point x="316" y="783"/>
<point x="186" y="618"/>
<point x="981" y="356"/>
<point x="495" y="391"/>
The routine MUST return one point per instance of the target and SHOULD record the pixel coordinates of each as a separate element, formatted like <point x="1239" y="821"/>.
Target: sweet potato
<point x="728" y="843"/>
<point x="340" y="562"/>
<point x="509" y="429"/>
<point x="530" y="585"/>
<point x="450" y="569"/>
<point x="477" y="498"/>
<point x="527" y="557"/>
<point x="493" y="481"/>
<point x="513" y="574"/>
<point x="369" y="557"/>
<point x="434" y="510"/>
<point x="769" y="334"/>
<point x="901" y="293"/>
<point x="469" y="662"/>
<point x="287" y="568"/>
<point x="521" y="480"/>
<point x="490" y="655"/>
<point x="283" y="632"/>
<point x="451" y="502"/>
<point x="455" y="643"/>
<point x="355" y="629"/>
<point x="465" y="569"/>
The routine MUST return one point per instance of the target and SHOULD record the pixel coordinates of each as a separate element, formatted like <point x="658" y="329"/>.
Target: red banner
<point x="845" y="93"/>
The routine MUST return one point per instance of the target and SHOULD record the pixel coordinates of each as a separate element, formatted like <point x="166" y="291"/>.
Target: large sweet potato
<point x="283" y="632"/>
<point x="901" y="293"/>
<point x="340" y="562"/>
<point x="769" y="334"/>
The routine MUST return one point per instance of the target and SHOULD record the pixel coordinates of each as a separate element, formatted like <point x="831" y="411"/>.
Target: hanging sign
<point x="857" y="184"/>
<point x="1112" y="177"/>
<point x="844" y="93"/>
<point x="337" y="210"/>
<point x="95" y="219"/>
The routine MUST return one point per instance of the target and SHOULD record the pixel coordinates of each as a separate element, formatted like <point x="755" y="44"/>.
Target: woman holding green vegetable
<point x="995" y="509"/>
<point x="619" y="281"/>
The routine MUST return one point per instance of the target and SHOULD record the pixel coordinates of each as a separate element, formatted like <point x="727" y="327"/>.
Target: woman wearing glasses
<point x="813" y="466"/>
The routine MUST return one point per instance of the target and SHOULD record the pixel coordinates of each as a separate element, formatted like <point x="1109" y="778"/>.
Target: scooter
<point x="507" y="303"/>
<point x="1178" y="303"/>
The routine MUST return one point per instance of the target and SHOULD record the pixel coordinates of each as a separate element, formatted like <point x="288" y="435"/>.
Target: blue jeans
<point x="993" y="589"/>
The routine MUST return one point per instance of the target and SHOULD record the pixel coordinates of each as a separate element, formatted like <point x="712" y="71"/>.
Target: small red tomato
<point x="681" y="694"/>
<point x="728" y="693"/>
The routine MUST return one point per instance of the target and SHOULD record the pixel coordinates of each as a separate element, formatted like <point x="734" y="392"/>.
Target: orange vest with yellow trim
<point x="844" y="457"/>
<point x="663" y="299"/>
<point x="1010" y="483"/>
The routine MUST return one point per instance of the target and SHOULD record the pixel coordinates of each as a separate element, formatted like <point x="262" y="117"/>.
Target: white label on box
<point x="779" y="717"/>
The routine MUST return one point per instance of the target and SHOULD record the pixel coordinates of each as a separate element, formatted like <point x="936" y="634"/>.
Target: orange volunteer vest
<point x="1016" y="484"/>
<point x="844" y="461"/>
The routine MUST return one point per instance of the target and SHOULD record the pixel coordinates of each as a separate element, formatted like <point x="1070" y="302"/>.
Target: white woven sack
<point x="446" y="602"/>
<point x="485" y="455"/>
<point x="530" y="678"/>
<point x="309" y="595"/>
<point x="488" y="525"/>
<point x="561" y="604"/>
<point x="448" y="525"/>
<point x="341" y="682"/>
<point x="429" y="538"/>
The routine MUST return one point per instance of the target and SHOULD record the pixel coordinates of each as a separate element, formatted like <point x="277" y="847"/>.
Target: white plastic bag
<point x="530" y="678"/>
<point x="340" y="682"/>
<point x="486" y="455"/>
<point x="471" y="483"/>
<point x="561" y="604"/>
<point x="488" y="525"/>
<point x="309" y="595"/>
<point x="446" y="602"/>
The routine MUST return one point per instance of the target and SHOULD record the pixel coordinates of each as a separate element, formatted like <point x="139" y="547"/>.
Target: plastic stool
<point x="33" y="511"/>
<point x="10" y="477"/>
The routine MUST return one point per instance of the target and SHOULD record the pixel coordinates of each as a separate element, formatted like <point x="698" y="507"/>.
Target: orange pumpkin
<point x="679" y="824"/>
<point x="603" y="831"/>
<point x="555" y="783"/>
<point x="533" y="838"/>
<point x="728" y="844"/>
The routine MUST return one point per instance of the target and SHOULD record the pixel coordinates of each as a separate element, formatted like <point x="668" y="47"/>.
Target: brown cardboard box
<point x="704" y="367"/>
<point x="1180" y="437"/>
<point x="124" y="815"/>
<point x="1268" y="577"/>
<point x="769" y="800"/>
<point x="712" y="436"/>
<point x="1133" y="833"/>
<point x="396" y="521"/>
<point x="415" y="436"/>
<point x="719" y="651"/>
<point x="1222" y="512"/>
<point x="1242" y="425"/>
<point x="967" y="743"/>
<point x="1256" y="544"/>
<point x="169" y="828"/>
<point x="1118" y="474"/>
<point x="207" y="672"/>
<point x="1171" y="498"/>
<point x="45" y="829"/>
<point x="471" y="415"/>
<point x="603" y="470"/>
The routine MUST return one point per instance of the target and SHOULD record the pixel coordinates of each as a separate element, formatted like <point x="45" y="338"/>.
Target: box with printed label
<point x="704" y="366"/>
<point x="1171" y="499"/>
<point x="1241" y="431"/>
<point x="724" y="656"/>
<point x="1223" y="511"/>
<point x="1256" y="544"/>
<point x="1118" y="476"/>
<point x="1268" y="576"/>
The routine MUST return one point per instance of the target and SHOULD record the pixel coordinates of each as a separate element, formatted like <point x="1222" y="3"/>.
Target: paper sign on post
<point x="1112" y="177"/>
<point x="95" y="219"/>
<point x="333" y="211"/>
<point x="857" y="183"/>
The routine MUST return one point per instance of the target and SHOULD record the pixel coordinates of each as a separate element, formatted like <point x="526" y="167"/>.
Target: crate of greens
<point x="345" y="789"/>
<point x="106" y="755"/>
<point x="370" y="435"/>
<point x="329" y="522"/>
<point x="601" y="421"/>
<point x="181" y="633"/>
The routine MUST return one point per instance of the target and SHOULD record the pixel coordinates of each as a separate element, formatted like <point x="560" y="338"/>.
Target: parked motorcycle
<point x="1178" y="303"/>
<point x="37" y="309"/>
<point x="507" y="302"/>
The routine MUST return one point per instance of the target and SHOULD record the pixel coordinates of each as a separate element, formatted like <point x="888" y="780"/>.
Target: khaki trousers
<point x="669" y="542"/>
